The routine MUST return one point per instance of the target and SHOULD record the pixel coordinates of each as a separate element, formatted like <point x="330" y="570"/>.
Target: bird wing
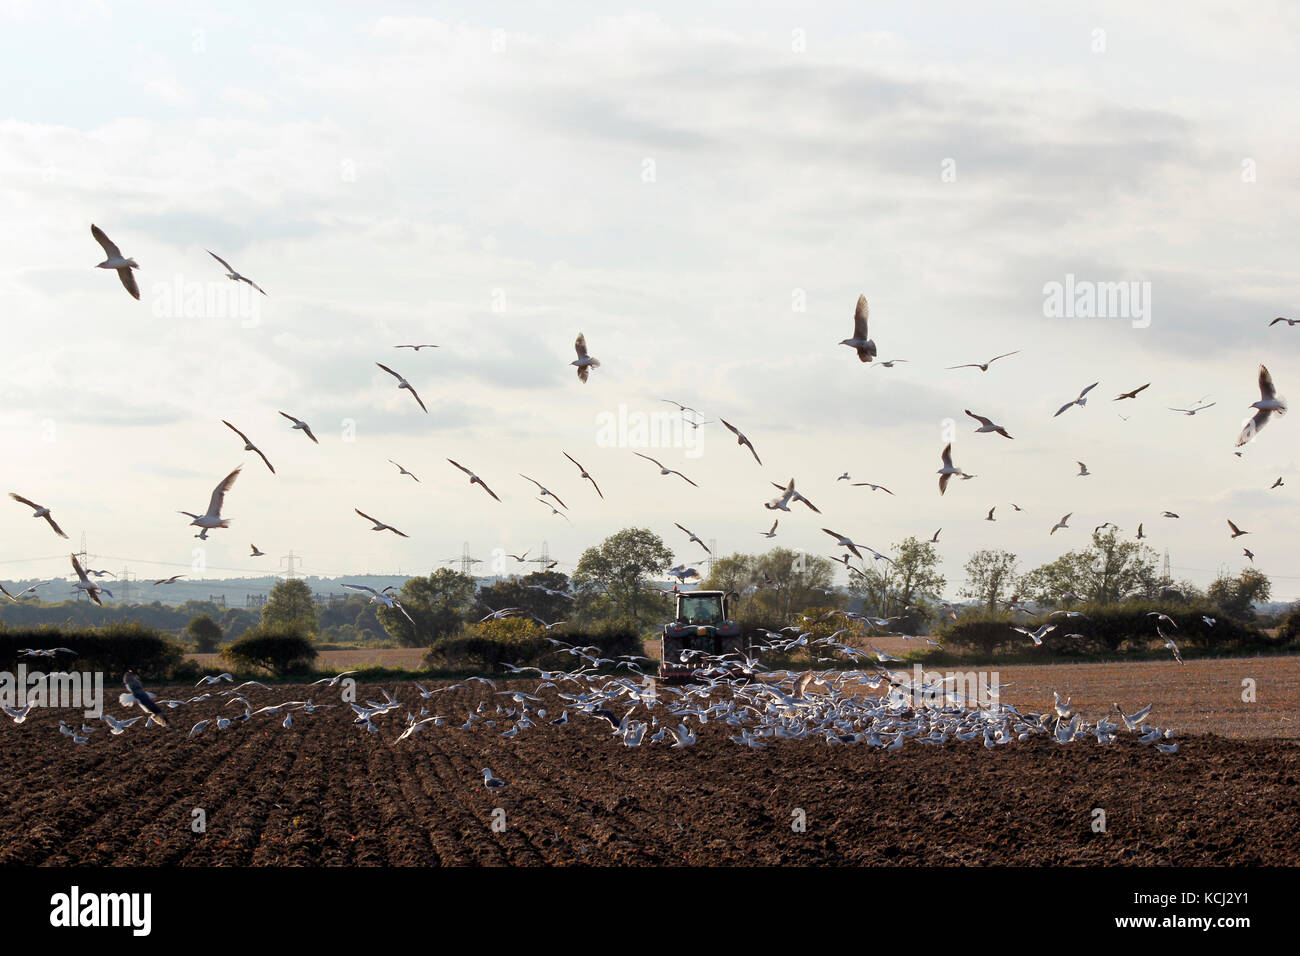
<point x="485" y="487"/>
<point x="109" y="246"/>
<point x="1063" y="408"/>
<point x="389" y="371"/>
<point x="947" y="456"/>
<point x="253" y="284"/>
<point x="463" y="468"/>
<point x="27" y="501"/>
<point x="1235" y="529"/>
<point x="1253" y="426"/>
<point x="219" y="493"/>
<point x="128" y="281"/>
<point x="580" y="345"/>
<point x="237" y="431"/>
<point x="967" y="365"/>
<point x="647" y="458"/>
<point x="55" y="525"/>
<point x="1089" y="389"/>
<point x="1003" y="355"/>
<point x="979" y="418"/>
<point x="689" y="482"/>
<point x="81" y="572"/>
<point x="229" y="267"/>
<point x="860" y="318"/>
<point x="366" y="516"/>
<point x="417" y="398"/>
<point x="1266" y="389"/>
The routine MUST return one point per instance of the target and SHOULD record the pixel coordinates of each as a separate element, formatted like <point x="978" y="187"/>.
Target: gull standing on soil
<point x="40" y="511"/>
<point x="664" y="470"/>
<point x="584" y="362"/>
<point x="1268" y="404"/>
<point x="986" y="425"/>
<point x="984" y="366"/>
<point x="301" y="426"/>
<point x="248" y="445"/>
<point x="212" y="517"/>
<point x="379" y="525"/>
<point x="403" y="384"/>
<point x="1080" y="401"/>
<point x="232" y="274"/>
<point x="116" y="261"/>
<point x="741" y="439"/>
<point x="866" y="348"/>
<point x="584" y="473"/>
<point x="475" y="479"/>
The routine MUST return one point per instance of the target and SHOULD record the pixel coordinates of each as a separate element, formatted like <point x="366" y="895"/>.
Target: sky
<point x="703" y="190"/>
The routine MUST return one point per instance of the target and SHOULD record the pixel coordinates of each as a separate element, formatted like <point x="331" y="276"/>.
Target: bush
<point x="205" y="633"/>
<point x="282" y="649"/>
<point x="522" y="642"/>
<point x="114" y="649"/>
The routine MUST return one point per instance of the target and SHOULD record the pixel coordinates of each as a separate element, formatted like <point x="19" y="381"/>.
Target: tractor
<point x="702" y="625"/>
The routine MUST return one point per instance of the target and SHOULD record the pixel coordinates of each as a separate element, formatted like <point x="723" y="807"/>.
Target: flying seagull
<point x="865" y="347"/>
<point x="692" y="535"/>
<point x="171" y="580"/>
<point x="300" y="425"/>
<point x="256" y="553"/>
<point x="212" y="517"/>
<point x="1281" y="319"/>
<point x="1132" y="394"/>
<point x="116" y="261"/>
<point x="584" y="473"/>
<point x="136" y="694"/>
<point x="1083" y="469"/>
<point x="1140" y="534"/>
<point x="376" y="597"/>
<point x="28" y="590"/>
<point x="867" y="484"/>
<point x="741" y="439"/>
<point x="1236" y="532"/>
<point x="984" y="366"/>
<point x="379" y="525"/>
<point x="1080" y="401"/>
<point x="232" y="274"/>
<point x="402" y="471"/>
<point x="986" y="425"/>
<point x="416" y="347"/>
<point x="1192" y="411"/>
<point x="475" y="479"/>
<point x="948" y="469"/>
<point x="772" y="532"/>
<point x="403" y="383"/>
<point x="248" y="445"/>
<point x="1249" y="554"/>
<point x="1268" y="404"/>
<point x="788" y="494"/>
<point x="39" y="511"/>
<point x="93" y="591"/>
<point x="584" y="362"/>
<point x="990" y="514"/>
<point x="663" y="470"/>
<point x="1276" y="484"/>
<point x="935" y="539"/>
<point x="1061" y="524"/>
<point x="546" y="492"/>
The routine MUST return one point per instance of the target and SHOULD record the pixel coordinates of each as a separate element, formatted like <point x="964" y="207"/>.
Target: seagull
<point x="1192" y="411"/>
<point x="171" y="580"/>
<point x="216" y="679"/>
<point x="1080" y="401"/>
<point x="867" y="484"/>
<point x="333" y="681"/>
<point x="1162" y="617"/>
<point x="40" y="511"/>
<point x="18" y="596"/>
<point x="136" y="694"/>
<point x="379" y="525"/>
<point x="935" y="539"/>
<point x="554" y="510"/>
<point x="1132" y="394"/>
<point x="85" y="584"/>
<point x="584" y="362"/>
<point x="787" y="495"/>
<point x="845" y="542"/>
<point x="116" y="726"/>
<point x="475" y="479"/>
<point x="521" y="558"/>
<point x="1168" y="514"/>
<point x="741" y="439"/>
<point x="1268" y="404"/>
<point x="1169" y="643"/>
<point x="1133" y="721"/>
<point x="1038" y="635"/>
<point x="256" y="553"/>
<point x="1280" y="319"/>
<point x="986" y="425"/>
<point x="1060" y="524"/>
<point x="401" y="470"/>
<point x="865" y="347"/>
<point x="584" y="473"/>
<point x="666" y="471"/>
<point x="212" y="518"/>
<point x="1276" y="484"/>
<point x="544" y="490"/>
<point x="990" y="516"/>
<point x="1246" y="552"/>
<point x="1140" y="534"/>
<point x="1083" y="469"/>
<point x="248" y="445"/>
<point x="771" y="533"/>
<point x="416" y="347"/>
<point x="403" y="383"/>
<point x="948" y="469"/>
<point x="890" y="364"/>
<point x="491" y="781"/>
<point x="984" y="366"/>
<point x="1236" y="532"/>
<point x="694" y="538"/>
<point x="116" y="261"/>
<point x="232" y="274"/>
<point x="303" y="426"/>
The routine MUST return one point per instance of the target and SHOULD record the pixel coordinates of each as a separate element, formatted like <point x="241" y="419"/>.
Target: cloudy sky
<point x="701" y="189"/>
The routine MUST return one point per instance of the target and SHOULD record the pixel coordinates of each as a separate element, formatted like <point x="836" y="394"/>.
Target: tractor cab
<point x="701" y="632"/>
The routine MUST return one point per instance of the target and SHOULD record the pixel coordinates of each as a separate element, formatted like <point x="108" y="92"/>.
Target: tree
<point x="289" y="604"/>
<point x="205" y="633"/>
<point x="612" y="580"/>
<point x="989" y="574"/>
<point x="1237" y="596"/>
<point x="888" y="590"/>
<point x="1108" y="571"/>
<point x="527" y="593"/>
<point x="438" y="605"/>
<point x="788" y="582"/>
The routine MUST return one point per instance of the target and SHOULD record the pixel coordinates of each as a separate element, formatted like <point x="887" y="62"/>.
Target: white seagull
<point x="584" y="473"/>
<point x="232" y="274"/>
<point x="401" y="470"/>
<point x="1060" y="524"/>
<point x="664" y="470"/>
<point x="379" y="525"/>
<point x="475" y="479"/>
<point x="984" y="366"/>
<point x="403" y="383"/>
<point x="1268" y="404"/>
<point x="300" y="425"/>
<point x="986" y="425"/>
<point x="948" y="469"/>
<point x="40" y="511"/>
<point x="212" y="517"/>
<point x="1080" y="401"/>
<point x="584" y="361"/>
<point x="248" y="445"/>
<point x="865" y="347"/>
<point x="116" y="261"/>
<point x="741" y="439"/>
